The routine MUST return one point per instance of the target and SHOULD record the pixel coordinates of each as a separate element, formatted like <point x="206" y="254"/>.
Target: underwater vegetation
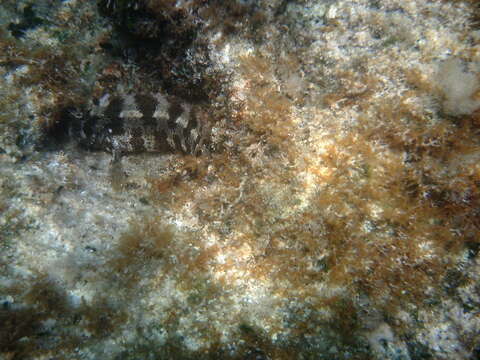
<point x="341" y="196"/>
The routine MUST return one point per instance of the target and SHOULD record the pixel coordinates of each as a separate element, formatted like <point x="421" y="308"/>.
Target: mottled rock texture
<point x="313" y="192"/>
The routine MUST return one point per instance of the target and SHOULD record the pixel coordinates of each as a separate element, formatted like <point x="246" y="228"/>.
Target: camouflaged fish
<point x="135" y="123"/>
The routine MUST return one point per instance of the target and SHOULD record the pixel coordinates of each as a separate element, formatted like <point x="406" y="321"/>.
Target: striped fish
<point x="135" y="123"/>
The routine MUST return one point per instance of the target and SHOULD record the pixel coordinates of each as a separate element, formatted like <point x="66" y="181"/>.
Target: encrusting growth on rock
<point x="298" y="179"/>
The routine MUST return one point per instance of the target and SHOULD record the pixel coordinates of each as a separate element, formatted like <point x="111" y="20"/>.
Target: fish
<point x="126" y="123"/>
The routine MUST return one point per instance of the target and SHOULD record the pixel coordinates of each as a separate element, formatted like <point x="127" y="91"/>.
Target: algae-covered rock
<point x="331" y="214"/>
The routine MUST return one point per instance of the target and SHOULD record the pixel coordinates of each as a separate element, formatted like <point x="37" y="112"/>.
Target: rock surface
<point x="335" y="215"/>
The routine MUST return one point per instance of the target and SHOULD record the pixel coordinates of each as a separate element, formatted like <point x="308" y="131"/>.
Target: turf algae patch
<point x="335" y="215"/>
